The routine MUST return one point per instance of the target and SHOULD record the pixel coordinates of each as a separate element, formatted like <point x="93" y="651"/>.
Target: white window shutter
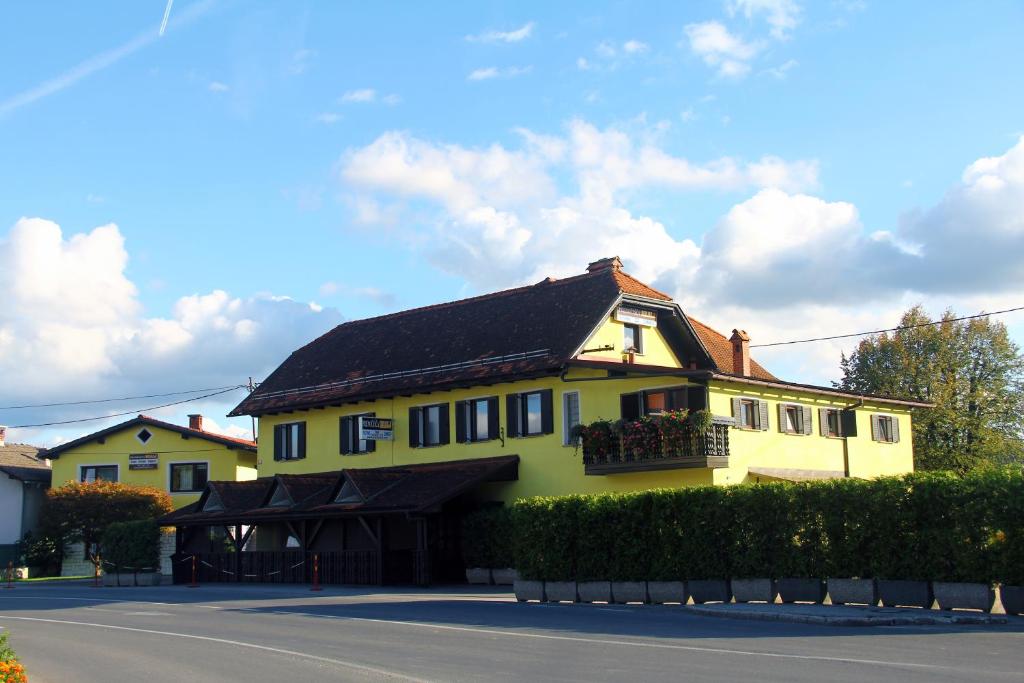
<point x="895" y="429"/>
<point x="823" y="421"/>
<point x="874" y="428"/>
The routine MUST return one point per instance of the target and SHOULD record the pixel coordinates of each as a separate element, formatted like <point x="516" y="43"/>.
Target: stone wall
<point x="75" y="563"/>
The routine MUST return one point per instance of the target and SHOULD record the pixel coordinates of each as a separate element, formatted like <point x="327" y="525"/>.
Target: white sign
<point x="144" y="461"/>
<point x="376" y="428"/>
<point x="635" y="316"/>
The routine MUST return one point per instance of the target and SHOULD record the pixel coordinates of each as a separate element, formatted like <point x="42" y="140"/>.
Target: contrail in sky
<point x="167" y="14"/>
<point x="102" y="60"/>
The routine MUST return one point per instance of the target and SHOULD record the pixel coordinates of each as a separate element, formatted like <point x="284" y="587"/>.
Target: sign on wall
<point x="376" y="428"/>
<point x="143" y="461"/>
<point x="636" y="316"/>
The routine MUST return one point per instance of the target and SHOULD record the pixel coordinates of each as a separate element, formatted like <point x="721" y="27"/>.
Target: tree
<point x="82" y="512"/>
<point x="970" y="370"/>
<point x="134" y="546"/>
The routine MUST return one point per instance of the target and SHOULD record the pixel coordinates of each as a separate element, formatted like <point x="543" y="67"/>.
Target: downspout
<point x="846" y="439"/>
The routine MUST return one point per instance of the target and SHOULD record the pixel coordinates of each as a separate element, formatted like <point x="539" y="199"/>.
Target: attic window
<point x="280" y="499"/>
<point x="144" y="435"/>
<point x="632" y="339"/>
<point x="213" y="502"/>
<point x="348" y="493"/>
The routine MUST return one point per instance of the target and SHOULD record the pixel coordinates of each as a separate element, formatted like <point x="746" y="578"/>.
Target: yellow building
<point x="376" y="436"/>
<point x="148" y="452"/>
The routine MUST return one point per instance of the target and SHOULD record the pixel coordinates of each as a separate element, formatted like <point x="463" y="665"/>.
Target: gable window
<point x="476" y="420"/>
<point x="750" y="413"/>
<point x="290" y="441"/>
<point x="90" y="474"/>
<point x="794" y="418"/>
<point x="530" y="413"/>
<point x="348" y="427"/>
<point x="655" y="401"/>
<point x="885" y="428"/>
<point x="631" y="338"/>
<point x="189" y="477"/>
<point x="428" y="426"/>
<point x="570" y="415"/>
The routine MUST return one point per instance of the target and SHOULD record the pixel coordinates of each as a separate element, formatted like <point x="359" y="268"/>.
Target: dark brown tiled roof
<point x="409" y="488"/>
<point x="143" y="420"/>
<point x="19" y="461"/>
<point x="720" y="348"/>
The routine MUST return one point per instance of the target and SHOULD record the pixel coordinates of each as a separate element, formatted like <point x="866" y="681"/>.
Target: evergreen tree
<point x="970" y="370"/>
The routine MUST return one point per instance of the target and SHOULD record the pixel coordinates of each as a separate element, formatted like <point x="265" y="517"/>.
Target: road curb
<point x="908" y="619"/>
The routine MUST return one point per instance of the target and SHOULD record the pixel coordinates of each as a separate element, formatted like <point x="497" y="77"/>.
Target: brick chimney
<point x="610" y="263"/>
<point x="195" y="422"/>
<point x="740" y="352"/>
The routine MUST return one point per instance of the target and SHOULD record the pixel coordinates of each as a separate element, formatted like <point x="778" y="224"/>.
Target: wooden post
<point x="238" y="553"/>
<point x="195" y="583"/>
<point x="380" y="551"/>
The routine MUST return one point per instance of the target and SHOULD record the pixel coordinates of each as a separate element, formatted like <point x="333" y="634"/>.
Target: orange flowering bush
<point x="11" y="670"/>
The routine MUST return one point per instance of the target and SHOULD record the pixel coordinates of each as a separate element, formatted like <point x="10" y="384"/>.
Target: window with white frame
<point x="90" y="474"/>
<point x="632" y="338"/>
<point x="570" y="416"/>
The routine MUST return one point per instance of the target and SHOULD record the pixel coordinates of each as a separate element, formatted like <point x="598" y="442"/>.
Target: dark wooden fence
<point x="360" y="567"/>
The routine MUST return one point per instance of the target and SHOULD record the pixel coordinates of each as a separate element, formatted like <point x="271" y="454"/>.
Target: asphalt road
<point x="264" y="633"/>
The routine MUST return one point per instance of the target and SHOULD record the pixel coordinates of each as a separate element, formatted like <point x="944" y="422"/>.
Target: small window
<point x="751" y="413"/>
<point x="349" y="436"/>
<point x="631" y="338"/>
<point x="748" y="414"/>
<point x="94" y="473"/>
<point x="659" y="401"/>
<point x="570" y="415"/>
<point x="885" y="428"/>
<point x="476" y="420"/>
<point x="655" y="402"/>
<point x="188" y="477"/>
<point x="530" y="413"/>
<point x="428" y="426"/>
<point x="144" y="435"/>
<point x="831" y="425"/>
<point x="290" y="441"/>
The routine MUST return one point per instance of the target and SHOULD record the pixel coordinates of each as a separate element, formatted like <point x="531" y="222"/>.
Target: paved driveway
<point x="263" y="633"/>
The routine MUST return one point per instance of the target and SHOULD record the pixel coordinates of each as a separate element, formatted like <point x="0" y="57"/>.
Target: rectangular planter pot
<point x="528" y="590"/>
<point x="899" y="593"/>
<point x="478" y="576"/>
<point x="801" y="590"/>
<point x="1012" y="598"/>
<point x="594" y="591"/>
<point x="952" y="595"/>
<point x="709" y="590"/>
<point x="140" y="579"/>
<point x="853" y="592"/>
<point x="560" y="591"/>
<point x="661" y="592"/>
<point x="754" y="590"/>
<point x="629" y="591"/>
<point x="504" y="577"/>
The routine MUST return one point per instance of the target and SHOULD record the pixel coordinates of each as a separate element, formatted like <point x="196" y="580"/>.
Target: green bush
<point x="132" y="546"/>
<point x="487" y="538"/>
<point x="933" y="525"/>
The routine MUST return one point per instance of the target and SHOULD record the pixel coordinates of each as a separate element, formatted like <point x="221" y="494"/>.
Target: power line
<point x="890" y="329"/>
<point x="115" y="400"/>
<point x="129" y="412"/>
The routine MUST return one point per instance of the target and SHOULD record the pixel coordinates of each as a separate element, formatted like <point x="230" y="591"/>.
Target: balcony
<point x="709" y="449"/>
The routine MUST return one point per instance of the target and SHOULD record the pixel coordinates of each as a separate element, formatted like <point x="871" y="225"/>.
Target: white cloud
<point x="491" y="72"/>
<point x="606" y="49"/>
<point x="217" y="86"/>
<point x="782" y="70"/>
<point x="299" y="61"/>
<point x="328" y="118"/>
<point x="782" y="15"/>
<point x="362" y="96"/>
<point x="513" y="36"/>
<point x="72" y="327"/>
<point x="730" y="55"/>
<point x="391" y="99"/>
<point x="634" y="47"/>
<point x="375" y="294"/>
<point x="582" y="64"/>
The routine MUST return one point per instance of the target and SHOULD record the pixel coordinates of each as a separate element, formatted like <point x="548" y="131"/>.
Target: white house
<point x="24" y="479"/>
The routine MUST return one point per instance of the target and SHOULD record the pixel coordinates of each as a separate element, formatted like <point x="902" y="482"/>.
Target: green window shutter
<point x="762" y="413"/>
<point x="345" y="435"/>
<point x="806" y="419"/>
<point x="461" y="408"/>
<point x="875" y="429"/>
<point x="823" y="421"/>
<point x="848" y="423"/>
<point x="492" y="418"/>
<point x="512" y="414"/>
<point x="414" y="427"/>
<point x="547" y="412"/>
<point x="278" y="442"/>
<point x="895" y="429"/>
<point x="445" y="430"/>
<point x="782" y="417"/>
<point x="737" y="410"/>
<point x="302" y="440"/>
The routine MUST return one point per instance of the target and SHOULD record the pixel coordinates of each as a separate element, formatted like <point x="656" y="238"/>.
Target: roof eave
<point x="825" y="391"/>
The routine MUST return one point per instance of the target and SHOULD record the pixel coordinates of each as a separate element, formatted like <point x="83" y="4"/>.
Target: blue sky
<point x="273" y="168"/>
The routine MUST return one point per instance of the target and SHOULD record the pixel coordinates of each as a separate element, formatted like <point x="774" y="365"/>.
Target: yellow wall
<point x="224" y="463"/>
<point x="776" y="449"/>
<point x="656" y="350"/>
<point x="549" y="468"/>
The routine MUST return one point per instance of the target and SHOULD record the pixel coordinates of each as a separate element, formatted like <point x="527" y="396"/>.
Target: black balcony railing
<point x="693" y="449"/>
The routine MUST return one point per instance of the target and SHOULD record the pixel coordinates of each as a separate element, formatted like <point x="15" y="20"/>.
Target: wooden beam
<point x="369" y="531"/>
<point x="316" y="530"/>
<point x="247" y="534"/>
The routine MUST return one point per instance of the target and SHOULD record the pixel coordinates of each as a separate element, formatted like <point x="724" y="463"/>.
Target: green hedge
<point x="487" y="538"/>
<point x="132" y="546"/>
<point x="936" y="526"/>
